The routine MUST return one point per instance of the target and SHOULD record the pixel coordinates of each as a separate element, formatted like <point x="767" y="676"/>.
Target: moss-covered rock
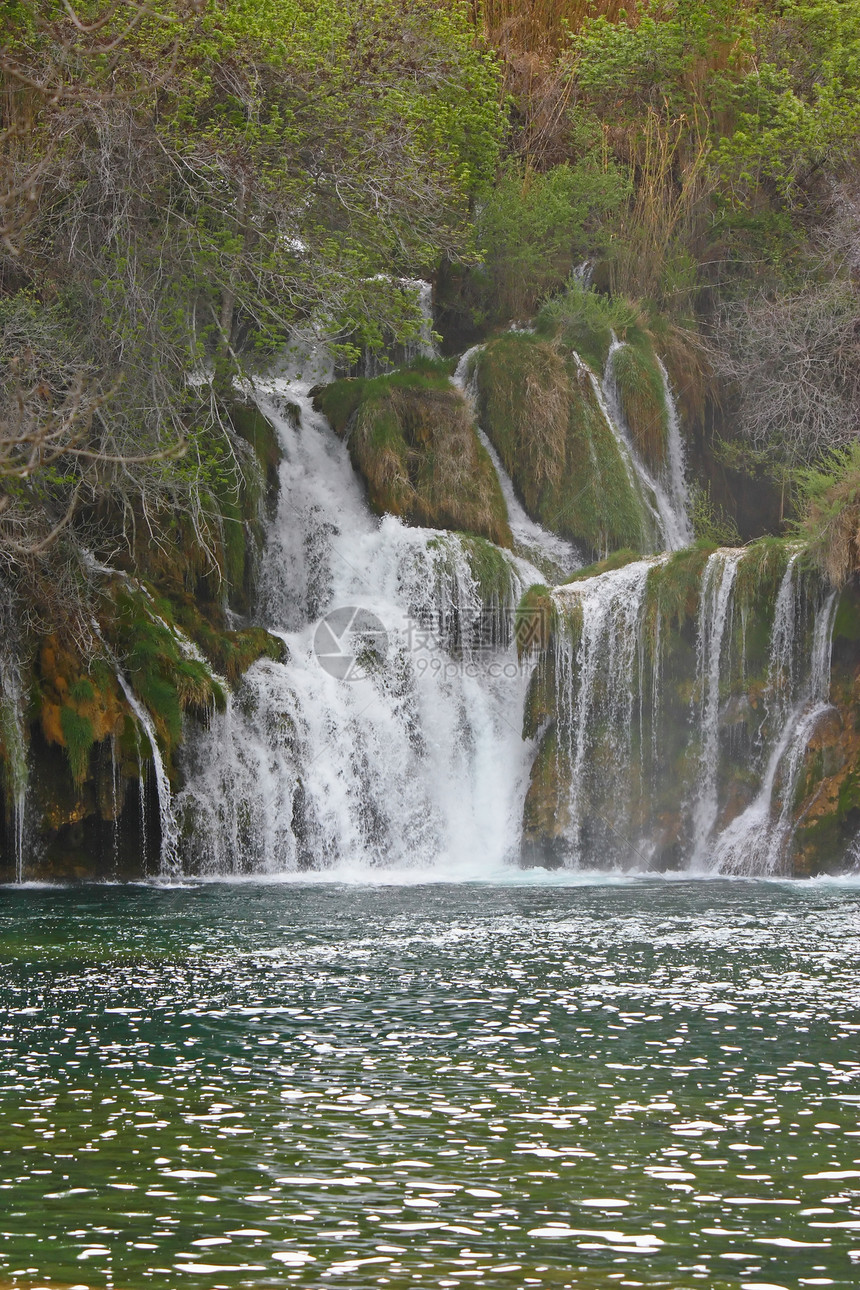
<point x="642" y="398"/>
<point x="536" y="620"/>
<point x="645" y="804"/>
<point x="77" y="705"/>
<point x="546" y="813"/>
<point x="540" y="411"/>
<point x="411" y="437"/>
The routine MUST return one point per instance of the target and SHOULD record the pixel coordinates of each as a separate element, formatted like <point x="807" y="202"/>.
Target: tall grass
<point x="537" y="26"/>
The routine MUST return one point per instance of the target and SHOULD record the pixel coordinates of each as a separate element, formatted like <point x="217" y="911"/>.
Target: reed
<point x="537" y="26"/>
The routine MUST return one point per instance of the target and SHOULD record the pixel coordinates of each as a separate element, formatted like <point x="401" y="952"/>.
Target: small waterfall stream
<point x="755" y="842"/>
<point x="552" y="554"/>
<point x="599" y="680"/>
<point x="13" y="735"/>
<point x="171" y="864"/>
<point x="714" y="608"/>
<point x="628" y="767"/>
<point x="665" y="497"/>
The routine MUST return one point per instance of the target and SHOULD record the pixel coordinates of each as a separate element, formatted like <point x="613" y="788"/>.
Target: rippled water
<point x="642" y="1083"/>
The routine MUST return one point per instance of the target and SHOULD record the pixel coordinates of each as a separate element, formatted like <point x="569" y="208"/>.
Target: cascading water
<point x="13" y="737"/>
<point x="599" y="679"/>
<point x="756" y="841"/>
<point x="643" y="779"/>
<point x="665" y="497"/>
<point x="170" y="862"/>
<point x="675" y="470"/>
<point x="553" y="555"/>
<point x="714" y="607"/>
<point x="392" y="735"/>
<point x="423" y="346"/>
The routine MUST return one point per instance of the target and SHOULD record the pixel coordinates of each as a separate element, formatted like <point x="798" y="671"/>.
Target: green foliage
<point x="229" y="653"/>
<point x="608" y="564"/>
<point x="643" y="399"/>
<point x="250" y="424"/>
<point x="585" y="320"/>
<point x="164" y="676"/>
<point x="534" y="227"/>
<point x="674" y="586"/>
<point x="536" y="619"/>
<point x="710" y="522"/>
<point x="829" y="501"/>
<point x="760" y="572"/>
<point x="78" y="735"/>
<point x="491" y="569"/>
<point x="775" y="90"/>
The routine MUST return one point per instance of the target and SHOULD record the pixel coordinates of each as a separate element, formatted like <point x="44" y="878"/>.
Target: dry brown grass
<point x="536" y="26"/>
<point x="835" y="524"/>
<point x="669" y="158"/>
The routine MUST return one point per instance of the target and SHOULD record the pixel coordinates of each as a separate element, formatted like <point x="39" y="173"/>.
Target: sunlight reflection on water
<point x="556" y="1083"/>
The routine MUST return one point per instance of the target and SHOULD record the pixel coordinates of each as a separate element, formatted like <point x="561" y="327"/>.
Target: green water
<point x="645" y="1083"/>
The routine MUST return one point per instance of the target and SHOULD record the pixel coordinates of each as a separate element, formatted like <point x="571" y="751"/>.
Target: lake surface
<point x="537" y="1083"/>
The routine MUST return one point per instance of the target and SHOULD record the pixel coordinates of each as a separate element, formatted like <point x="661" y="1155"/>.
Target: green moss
<point x="82" y="690"/>
<point x="760" y="571"/>
<point x="250" y="424"/>
<point x="546" y="811"/>
<point x="643" y="400"/>
<point x="617" y="560"/>
<point x="491" y="569"/>
<point x="536" y="619"/>
<point x="410" y="435"/>
<point x="541" y="699"/>
<point x="675" y="585"/>
<point x="78" y="736"/>
<point x="849" y="794"/>
<point x="338" y="402"/>
<point x="13" y="750"/>
<point x="543" y="418"/>
<point x="164" y="678"/>
<point x="846" y="624"/>
<point x="585" y="321"/>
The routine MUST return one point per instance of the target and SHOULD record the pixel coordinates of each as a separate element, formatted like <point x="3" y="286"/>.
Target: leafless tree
<point x="794" y="360"/>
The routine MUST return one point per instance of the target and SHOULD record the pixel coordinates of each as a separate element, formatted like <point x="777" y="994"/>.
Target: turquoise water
<point x="641" y="1083"/>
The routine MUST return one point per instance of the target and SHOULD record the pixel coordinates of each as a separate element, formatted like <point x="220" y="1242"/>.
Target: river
<point x="544" y="1080"/>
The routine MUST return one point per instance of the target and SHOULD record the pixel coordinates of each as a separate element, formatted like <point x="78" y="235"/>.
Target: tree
<point x="795" y="362"/>
<point x="186" y="186"/>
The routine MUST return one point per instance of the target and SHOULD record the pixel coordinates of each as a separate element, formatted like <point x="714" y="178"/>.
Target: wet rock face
<point x="728" y="737"/>
<point x="827" y="804"/>
<point x="412" y="439"/>
<point x="105" y="827"/>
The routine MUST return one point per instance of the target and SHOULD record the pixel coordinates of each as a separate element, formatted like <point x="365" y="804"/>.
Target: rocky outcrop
<point x="691" y="711"/>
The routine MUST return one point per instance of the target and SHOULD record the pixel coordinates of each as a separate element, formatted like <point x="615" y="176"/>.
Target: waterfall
<point x="392" y="735"/>
<point x="13" y="736"/>
<point x="665" y="498"/>
<point x="423" y="346"/>
<point x="13" y="730"/>
<point x="599" y="680"/>
<point x="756" y="842"/>
<point x="714" y="606"/>
<point x="170" y="863"/>
<point x="639" y="784"/>
<point x="552" y="554"/>
<point x="676" y="467"/>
